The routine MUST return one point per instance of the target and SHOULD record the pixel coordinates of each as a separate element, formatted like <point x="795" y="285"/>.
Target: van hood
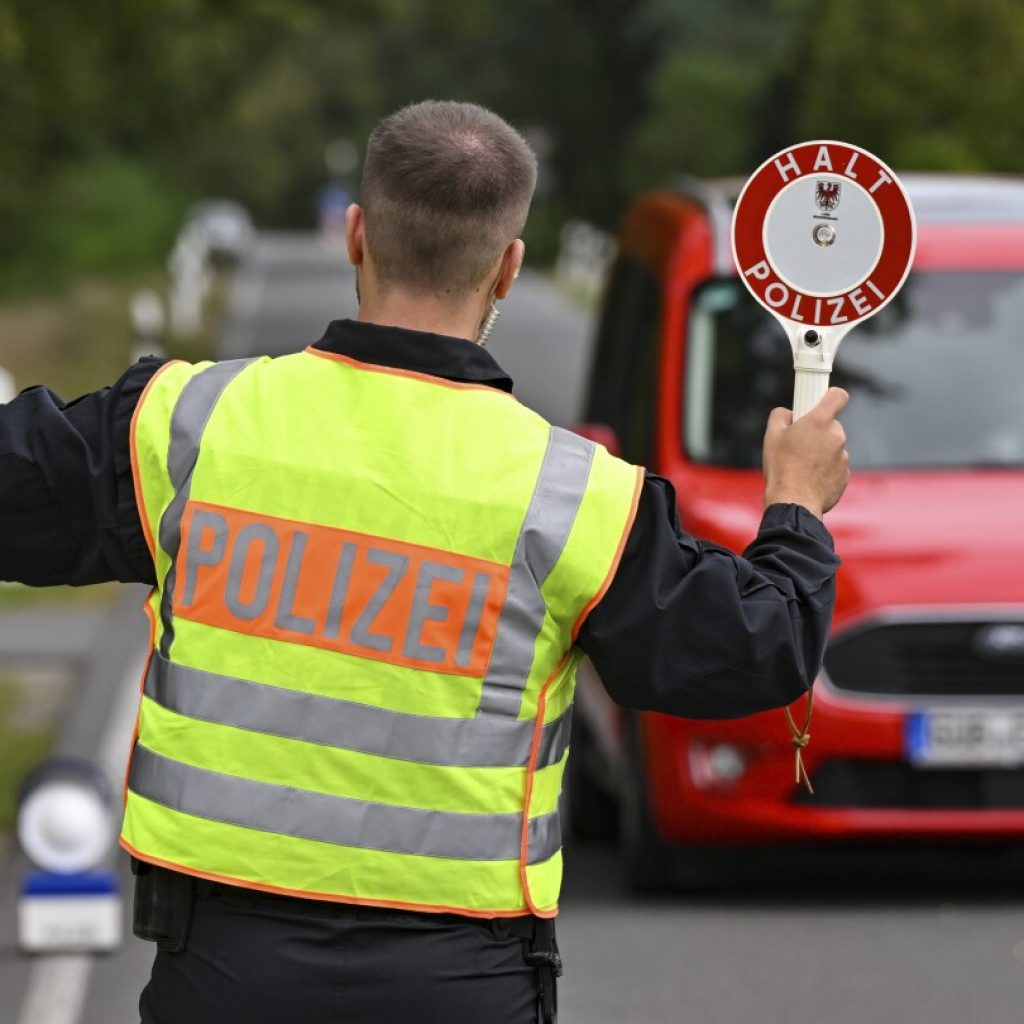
<point x="951" y="538"/>
<point x="907" y="538"/>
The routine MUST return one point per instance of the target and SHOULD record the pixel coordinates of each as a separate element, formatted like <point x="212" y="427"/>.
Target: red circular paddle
<point x="823" y="236"/>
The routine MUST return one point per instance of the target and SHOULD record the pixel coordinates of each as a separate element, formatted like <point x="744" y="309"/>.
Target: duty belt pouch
<point x="541" y="952"/>
<point x="163" y="906"/>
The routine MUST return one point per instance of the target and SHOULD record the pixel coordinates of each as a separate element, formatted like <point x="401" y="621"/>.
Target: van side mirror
<point x="600" y="433"/>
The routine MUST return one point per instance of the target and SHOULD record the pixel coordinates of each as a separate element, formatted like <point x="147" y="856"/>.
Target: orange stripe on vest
<point x="323" y="587"/>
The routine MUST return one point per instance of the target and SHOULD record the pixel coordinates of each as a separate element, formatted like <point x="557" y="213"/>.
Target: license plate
<point x="966" y="739"/>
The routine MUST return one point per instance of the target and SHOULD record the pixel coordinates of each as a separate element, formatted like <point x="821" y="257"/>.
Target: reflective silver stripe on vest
<point x="490" y="742"/>
<point x="549" y="519"/>
<point x="188" y="421"/>
<point x="303" y="814"/>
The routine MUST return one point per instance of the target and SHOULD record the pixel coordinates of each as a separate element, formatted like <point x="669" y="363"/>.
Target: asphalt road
<point x="295" y="285"/>
<point x="836" y="952"/>
<point x="833" y="952"/>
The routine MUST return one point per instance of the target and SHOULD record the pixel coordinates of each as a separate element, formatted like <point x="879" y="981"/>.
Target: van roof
<point x="969" y="199"/>
<point x="937" y="198"/>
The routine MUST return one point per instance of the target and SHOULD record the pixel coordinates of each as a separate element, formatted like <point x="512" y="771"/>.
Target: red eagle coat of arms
<point x="826" y="195"/>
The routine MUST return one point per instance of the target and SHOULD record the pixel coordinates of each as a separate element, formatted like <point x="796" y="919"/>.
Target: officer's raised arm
<point x="688" y="628"/>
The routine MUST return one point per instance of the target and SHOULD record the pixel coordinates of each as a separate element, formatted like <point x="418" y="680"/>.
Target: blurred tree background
<point x="115" y="114"/>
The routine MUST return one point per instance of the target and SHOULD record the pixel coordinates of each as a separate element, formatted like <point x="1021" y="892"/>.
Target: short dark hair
<point x="446" y="187"/>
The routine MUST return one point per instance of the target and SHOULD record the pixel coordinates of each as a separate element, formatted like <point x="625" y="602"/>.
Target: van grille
<point x="963" y="658"/>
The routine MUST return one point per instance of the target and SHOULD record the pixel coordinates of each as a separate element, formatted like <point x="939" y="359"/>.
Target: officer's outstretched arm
<point x="67" y="502"/>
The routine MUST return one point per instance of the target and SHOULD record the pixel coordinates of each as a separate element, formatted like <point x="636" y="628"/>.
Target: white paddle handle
<point x="809" y="390"/>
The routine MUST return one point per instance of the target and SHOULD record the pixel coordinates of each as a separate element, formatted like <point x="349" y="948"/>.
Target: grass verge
<point x="21" y="748"/>
<point x="80" y="341"/>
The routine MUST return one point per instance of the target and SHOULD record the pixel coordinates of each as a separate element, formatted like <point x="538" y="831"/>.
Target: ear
<point x="355" y="234"/>
<point x="511" y="264"/>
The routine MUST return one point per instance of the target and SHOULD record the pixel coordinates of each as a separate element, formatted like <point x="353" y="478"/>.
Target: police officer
<point x="374" y="574"/>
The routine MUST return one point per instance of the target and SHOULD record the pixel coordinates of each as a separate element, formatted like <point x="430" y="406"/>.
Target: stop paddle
<point x="823" y="236"/>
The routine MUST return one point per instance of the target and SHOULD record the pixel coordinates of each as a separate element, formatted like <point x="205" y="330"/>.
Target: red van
<point x="918" y="732"/>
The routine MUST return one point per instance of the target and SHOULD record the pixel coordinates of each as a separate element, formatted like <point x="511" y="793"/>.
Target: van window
<point x="934" y="378"/>
<point x="623" y="392"/>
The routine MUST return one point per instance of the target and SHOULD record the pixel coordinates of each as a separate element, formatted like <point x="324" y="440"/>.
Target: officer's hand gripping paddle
<point x="823" y="235"/>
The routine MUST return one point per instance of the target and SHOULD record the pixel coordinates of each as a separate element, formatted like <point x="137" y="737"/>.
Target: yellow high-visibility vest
<point x="370" y="582"/>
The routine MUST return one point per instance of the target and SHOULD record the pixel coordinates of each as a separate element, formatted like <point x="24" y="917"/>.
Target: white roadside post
<point x="584" y="255"/>
<point x="66" y="825"/>
<point x="190" y="281"/>
<point x="148" y="324"/>
<point x="823" y="237"/>
<point x="7" y="387"/>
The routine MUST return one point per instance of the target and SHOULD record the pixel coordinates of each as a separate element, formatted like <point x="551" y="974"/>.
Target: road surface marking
<point x="56" y="990"/>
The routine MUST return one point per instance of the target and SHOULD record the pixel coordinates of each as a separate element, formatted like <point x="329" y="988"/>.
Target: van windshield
<point x="936" y="379"/>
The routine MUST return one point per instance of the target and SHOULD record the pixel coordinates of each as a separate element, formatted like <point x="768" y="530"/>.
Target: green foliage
<point x="117" y="112"/>
<point x="931" y="86"/>
<point x="21" y="749"/>
<point x="708" y="112"/>
<point x="696" y="98"/>
<point x="94" y="215"/>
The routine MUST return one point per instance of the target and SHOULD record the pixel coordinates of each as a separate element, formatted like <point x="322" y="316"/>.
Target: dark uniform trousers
<point x="257" y="958"/>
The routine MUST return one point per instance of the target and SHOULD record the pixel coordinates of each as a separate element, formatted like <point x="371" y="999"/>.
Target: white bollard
<point x="148" y="323"/>
<point x="66" y="826"/>
<point x="584" y="256"/>
<point x="190" y="281"/>
<point x="7" y="388"/>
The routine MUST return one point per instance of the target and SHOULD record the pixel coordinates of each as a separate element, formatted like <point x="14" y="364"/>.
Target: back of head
<point x="446" y="188"/>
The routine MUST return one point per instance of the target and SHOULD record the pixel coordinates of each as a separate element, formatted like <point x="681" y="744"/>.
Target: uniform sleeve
<point x="690" y="629"/>
<point x="67" y="500"/>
